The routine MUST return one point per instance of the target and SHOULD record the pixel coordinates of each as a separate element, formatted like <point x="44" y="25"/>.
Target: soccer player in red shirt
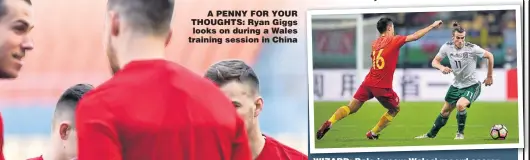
<point x="64" y="135"/>
<point x="15" y="25"/>
<point x="240" y="83"/>
<point x="154" y="109"/>
<point x="378" y="82"/>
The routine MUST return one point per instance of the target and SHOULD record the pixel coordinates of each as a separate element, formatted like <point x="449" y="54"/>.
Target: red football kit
<point x="378" y="82"/>
<point x="156" y="109"/>
<point x="278" y="151"/>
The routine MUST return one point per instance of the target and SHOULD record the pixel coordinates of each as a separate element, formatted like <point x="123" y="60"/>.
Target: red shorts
<point x="386" y="96"/>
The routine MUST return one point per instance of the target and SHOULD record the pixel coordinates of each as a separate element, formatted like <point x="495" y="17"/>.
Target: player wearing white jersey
<point x="466" y="87"/>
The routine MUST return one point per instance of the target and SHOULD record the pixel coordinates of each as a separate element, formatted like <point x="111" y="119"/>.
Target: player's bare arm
<point x="489" y="77"/>
<point x="436" y="63"/>
<point x="420" y="33"/>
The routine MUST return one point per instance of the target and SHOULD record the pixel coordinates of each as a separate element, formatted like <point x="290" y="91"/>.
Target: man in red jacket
<point x="15" y="24"/>
<point x="239" y="82"/>
<point x="153" y="108"/>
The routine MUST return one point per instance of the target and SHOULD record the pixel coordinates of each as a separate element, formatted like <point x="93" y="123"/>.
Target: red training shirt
<point x="385" y="54"/>
<point x="278" y="151"/>
<point x="156" y="109"/>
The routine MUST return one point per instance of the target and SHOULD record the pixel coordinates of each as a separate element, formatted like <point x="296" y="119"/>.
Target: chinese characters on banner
<point x="410" y="85"/>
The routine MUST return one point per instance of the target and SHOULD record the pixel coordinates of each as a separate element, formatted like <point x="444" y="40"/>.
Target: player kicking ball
<point x="378" y="82"/>
<point x="466" y="86"/>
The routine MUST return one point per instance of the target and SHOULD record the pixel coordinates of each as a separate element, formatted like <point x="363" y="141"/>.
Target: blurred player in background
<point x="466" y="86"/>
<point x="64" y="136"/>
<point x="15" y="24"/>
<point x="378" y="82"/>
<point x="153" y="108"/>
<point x="240" y="83"/>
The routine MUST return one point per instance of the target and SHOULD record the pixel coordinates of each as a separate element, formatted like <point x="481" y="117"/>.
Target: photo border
<point x="523" y="153"/>
<point x="311" y="13"/>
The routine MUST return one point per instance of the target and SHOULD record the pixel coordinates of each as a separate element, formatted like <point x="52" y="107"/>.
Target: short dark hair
<point x="227" y="71"/>
<point x="148" y="16"/>
<point x="457" y="28"/>
<point x="3" y="8"/>
<point x="70" y="98"/>
<point x="383" y="23"/>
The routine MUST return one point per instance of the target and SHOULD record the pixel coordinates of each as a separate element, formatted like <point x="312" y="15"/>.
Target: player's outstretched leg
<point x="341" y="113"/>
<point x="440" y="121"/>
<point x="461" y="117"/>
<point x="392" y="104"/>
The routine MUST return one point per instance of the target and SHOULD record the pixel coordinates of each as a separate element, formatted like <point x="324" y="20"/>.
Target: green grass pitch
<point x="415" y="118"/>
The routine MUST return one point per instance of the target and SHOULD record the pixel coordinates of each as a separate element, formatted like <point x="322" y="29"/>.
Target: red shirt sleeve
<point x="241" y="147"/>
<point x="399" y="40"/>
<point x="97" y="135"/>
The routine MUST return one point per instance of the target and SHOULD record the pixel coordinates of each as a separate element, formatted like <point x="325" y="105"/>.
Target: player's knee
<point x="461" y="106"/>
<point x="394" y="110"/>
<point x="461" y="109"/>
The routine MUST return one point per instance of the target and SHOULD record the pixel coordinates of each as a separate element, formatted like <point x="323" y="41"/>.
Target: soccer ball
<point x="499" y="132"/>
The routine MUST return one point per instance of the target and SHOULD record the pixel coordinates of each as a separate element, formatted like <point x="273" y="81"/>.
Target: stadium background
<point x="335" y="44"/>
<point x="69" y="50"/>
<point x="420" y="87"/>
